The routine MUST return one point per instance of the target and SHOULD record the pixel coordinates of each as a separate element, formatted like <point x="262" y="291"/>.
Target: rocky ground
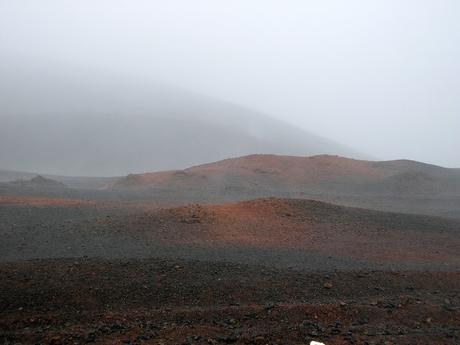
<point x="268" y="271"/>
<point x="165" y="301"/>
<point x="274" y="232"/>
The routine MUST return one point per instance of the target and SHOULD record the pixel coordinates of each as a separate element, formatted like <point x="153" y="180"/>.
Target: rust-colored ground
<point x="290" y="170"/>
<point x="42" y="201"/>
<point x="155" y="301"/>
<point x="305" y="225"/>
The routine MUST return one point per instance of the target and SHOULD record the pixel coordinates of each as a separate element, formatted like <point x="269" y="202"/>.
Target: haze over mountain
<point x="75" y="123"/>
<point x="372" y="75"/>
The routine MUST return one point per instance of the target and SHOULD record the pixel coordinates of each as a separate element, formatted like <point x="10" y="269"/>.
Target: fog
<point x="72" y="123"/>
<point x="381" y="78"/>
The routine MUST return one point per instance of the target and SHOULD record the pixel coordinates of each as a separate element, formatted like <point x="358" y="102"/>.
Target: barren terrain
<point x="280" y="232"/>
<point x="160" y="301"/>
<point x="143" y="262"/>
<point x="395" y="186"/>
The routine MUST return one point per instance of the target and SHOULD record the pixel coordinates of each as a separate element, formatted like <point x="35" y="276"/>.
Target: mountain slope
<point x="321" y="173"/>
<point x="76" y="123"/>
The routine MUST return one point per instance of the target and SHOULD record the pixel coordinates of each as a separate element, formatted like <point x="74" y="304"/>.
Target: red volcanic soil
<point x="42" y="201"/>
<point x="304" y="225"/>
<point x="296" y="168"/>
<point x="34" y="201"/>
<point x="286" y="169"/>
<point x="289" y="169"/>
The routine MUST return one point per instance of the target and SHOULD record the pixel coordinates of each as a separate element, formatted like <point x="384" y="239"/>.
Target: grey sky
<point x="380" y="76"/>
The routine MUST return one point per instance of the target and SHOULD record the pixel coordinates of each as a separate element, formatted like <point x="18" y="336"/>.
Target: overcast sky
<point x="380" y="76"/>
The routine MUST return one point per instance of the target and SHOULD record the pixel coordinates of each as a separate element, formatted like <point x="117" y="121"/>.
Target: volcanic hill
<point x="399" y="185"/>
<point x="276" y="231"/>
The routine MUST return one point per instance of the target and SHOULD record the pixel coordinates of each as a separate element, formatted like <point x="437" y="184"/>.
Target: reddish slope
<point x="290" y="169"/>
<point x="285" y="231"/>
<point x="288" y="176"/>
<point x="318" y="227"/>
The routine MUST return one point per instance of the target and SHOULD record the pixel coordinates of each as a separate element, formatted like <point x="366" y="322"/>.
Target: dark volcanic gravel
<point x="268" y="271"/>
<point x="159" y="301"/>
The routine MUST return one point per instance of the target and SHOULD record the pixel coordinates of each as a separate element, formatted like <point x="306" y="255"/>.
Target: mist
<point x="378" y="79"/>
